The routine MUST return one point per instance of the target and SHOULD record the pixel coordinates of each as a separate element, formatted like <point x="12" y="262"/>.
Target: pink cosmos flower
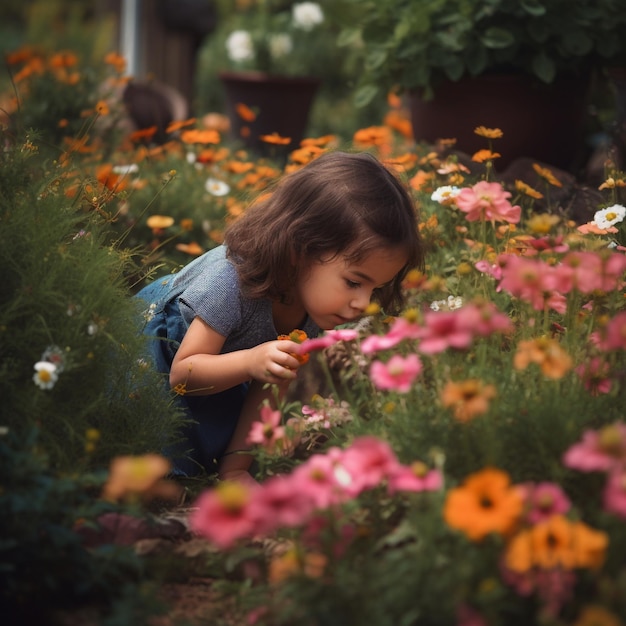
<point x="280" y="504"/>
<point x="267" y="432"/>
<point x="400" y="330"/>
<point x="531" y="280"/>
<point x="602" y="450"/>
<point x="443" y="330"/>
<point x="488" y="201"/>
<point x="323" y="479"/>
<point x="397" y="374"/>
<point x="615" y="338"/>
<point x="224" y="514"/>
<point x="491" y="269"/>
<point x="369" y="461"/>
<point x="594" y="375"/>
<point x="614" y="495"/>
<point x="542" y="500"/>
<point x="415" y="477"/>
<point x="329" y="338"/>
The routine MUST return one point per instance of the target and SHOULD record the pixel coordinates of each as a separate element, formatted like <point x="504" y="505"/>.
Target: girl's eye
<point x="352" y="284"/>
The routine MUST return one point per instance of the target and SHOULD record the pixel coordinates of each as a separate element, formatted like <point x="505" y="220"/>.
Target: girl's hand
<point x="273" y="362"/>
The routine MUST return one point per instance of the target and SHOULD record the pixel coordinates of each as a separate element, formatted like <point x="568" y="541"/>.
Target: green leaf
<point x="533" y="7"/>
<point x="543" y="67"/>
<point x="496" y="37"/>
<point x="349" y="36"/>
<point x="375" y="58"/>
<point x="364" y="95"/>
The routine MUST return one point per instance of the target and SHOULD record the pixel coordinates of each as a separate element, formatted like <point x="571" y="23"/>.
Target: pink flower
<point x="398" y="374"/>
<point x="601" y="450"/>
<point x="487" y="201"/>
<point x="542" y="500"/>
<point x="444" y="329"/>
<point x="323" y="479"/>
<point x="400" y="329"/>
<point x="531" y="280"/>
<point x="369" y="461"/>
<point x="329" y="338"/>
<point x="594" y="375"/>
<point x="615" y="493"/>
<point x="491" y="269"/>
<point x="280" y="503"/>
<point x="224" y="515"/>
<point x="414" y="477"/>
<point x="615" y="338"/>
<point x="267" y="432"/>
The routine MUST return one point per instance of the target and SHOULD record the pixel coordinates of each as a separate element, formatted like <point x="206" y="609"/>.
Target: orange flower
<point x="556" y="542"/>
<point x="102" y="108"/>
<point x="545" y="352"/>
<point x="320" y="142"/>
<point x="63" y="59"/>
<point x="468" y="398"/>
<point x="527" y="190"/>
<point x="489" y="133"/>
<point x="159" y="222"/>
<point x="297" y="336"/>
<point x="592" y="615"/>
<point x="200" y="136"/>
<point x="398" y="121"/>
<point x="107" y="177"/>
<point x="547" y="175"/>
<point x="485" y="503"/>
<point x="130" y="476"/>
<point x="116" y="60"/>
<point x="591" y="228"/>
<point x="379" y="136"/>
<point x="193" y="248"/>
<point x="143" y="133"/>
<point x="245" y="112"/>
<point x="178" y="124"/>
<point x="485" y="155"/>
<point x="292" y="563"/>
<point x="276" y="139"/>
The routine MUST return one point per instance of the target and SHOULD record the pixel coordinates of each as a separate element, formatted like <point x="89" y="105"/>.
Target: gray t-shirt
<point x="209" y="288"/>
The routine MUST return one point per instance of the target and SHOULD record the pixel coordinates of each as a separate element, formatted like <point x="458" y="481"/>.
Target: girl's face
<point x="334" y="291"/>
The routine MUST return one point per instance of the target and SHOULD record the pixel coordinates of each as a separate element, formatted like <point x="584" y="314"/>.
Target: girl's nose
<point x="361" y="301"/>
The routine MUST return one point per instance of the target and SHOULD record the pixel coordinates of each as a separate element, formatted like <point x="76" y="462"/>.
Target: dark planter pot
<point x="539" y="121"/>
<point x="281" y="103"/>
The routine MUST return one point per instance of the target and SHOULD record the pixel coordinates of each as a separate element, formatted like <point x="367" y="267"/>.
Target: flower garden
<point x="463" y="463"/>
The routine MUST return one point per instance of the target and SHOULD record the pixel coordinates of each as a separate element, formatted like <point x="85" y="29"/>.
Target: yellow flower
<point x="485" y="155"/>
<point x="542" y="223"/>
<point x="133" y="475"/>
<point x="527" y="190"/>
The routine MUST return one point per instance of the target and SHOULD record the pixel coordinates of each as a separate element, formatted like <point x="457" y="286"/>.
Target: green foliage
<point x="65" y="297"/>
<point x="44" y="565"/>
<point x="415" y="45"/>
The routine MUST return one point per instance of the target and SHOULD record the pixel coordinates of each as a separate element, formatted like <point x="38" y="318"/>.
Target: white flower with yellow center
<point x="605" y="218"/>
<point x="45" y="374"/>
<point x="445" y="194"/>
<point x="216" y="187"/>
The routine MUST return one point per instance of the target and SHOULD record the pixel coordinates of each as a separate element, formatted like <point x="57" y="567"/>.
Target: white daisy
<point x="447" y="193"/>
<point x="216" y="187"/>
<point x="605" y="218"/>
<point x="45" y="374"/>
<point x="280" y="45"/>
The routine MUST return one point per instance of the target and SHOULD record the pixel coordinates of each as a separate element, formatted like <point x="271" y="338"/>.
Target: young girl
<point x="331" y="237"/>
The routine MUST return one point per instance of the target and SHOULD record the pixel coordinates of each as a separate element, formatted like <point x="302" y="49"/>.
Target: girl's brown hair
<point x="339" y="204"/>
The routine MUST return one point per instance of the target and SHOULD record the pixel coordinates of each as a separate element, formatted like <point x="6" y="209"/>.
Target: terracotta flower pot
<point x="539" y="121"/>
<point x="280" y="104"/>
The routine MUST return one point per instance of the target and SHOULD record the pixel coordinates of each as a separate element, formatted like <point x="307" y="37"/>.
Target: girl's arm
<point x="199" y="365"/>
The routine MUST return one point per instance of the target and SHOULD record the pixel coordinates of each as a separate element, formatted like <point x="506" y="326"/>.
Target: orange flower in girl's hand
<point x="297" y="336"/>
